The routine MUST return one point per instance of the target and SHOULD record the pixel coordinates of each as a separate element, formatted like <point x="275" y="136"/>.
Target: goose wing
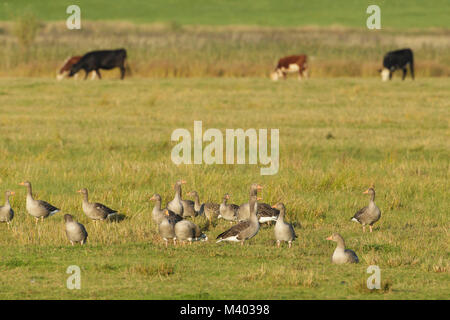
<point x="47" y="206"/>
<point x="234" y="230"/>
<point x="265" y="210"/>
<point x="103" y="208"/>
<point x="360" y="213"/>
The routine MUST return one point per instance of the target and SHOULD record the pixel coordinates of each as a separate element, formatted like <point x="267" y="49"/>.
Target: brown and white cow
<point x="291" y="64"/>
<point x="65" y="69"/>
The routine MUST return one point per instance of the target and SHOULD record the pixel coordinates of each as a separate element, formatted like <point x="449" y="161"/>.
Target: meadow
<point x="337" y="137"/>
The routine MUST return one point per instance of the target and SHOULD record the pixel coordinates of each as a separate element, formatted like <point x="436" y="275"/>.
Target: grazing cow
<point x="103" y="59"/>
<point x="291" y="64"/>
<point x="394" y="60"/>
<point x="65" y="69"/>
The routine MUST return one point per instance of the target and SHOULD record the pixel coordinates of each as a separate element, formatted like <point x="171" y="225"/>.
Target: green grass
<point x="113" y="137"/>
<point x="394" y="14"/>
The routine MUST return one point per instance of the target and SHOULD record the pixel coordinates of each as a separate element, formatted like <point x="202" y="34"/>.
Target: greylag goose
<point x="158" y="213"/>
<point x="283" y="231"/>
<point x="75" y="231"/>
<point x="167" y="228"/>
<point x="228" y="211"/>
<point x="264" y="211"/>
<point x="186" y="230"/>
<point x="342" y="255"/>
<point x="244" y="230"/>
<point x="370" y="214"/>
<point x="6" y="212"/>
<point x="176" y="204"/>
<point x="198" y="207"/>
<point x="38" y="208"/>
<point x="94" y="210"/>
<point x="212" y="210"/>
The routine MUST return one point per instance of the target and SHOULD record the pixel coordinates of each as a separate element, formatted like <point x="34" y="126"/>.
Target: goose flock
<point x="173" y="224"/>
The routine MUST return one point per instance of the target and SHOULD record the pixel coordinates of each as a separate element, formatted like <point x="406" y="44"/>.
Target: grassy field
<point x="168" y="51"/>
<point x="113" y="137"/>
<point x="394" y="14"/>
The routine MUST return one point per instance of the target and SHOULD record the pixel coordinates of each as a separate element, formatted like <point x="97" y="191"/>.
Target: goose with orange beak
<point x="6" y="212"/>
<point x="167" y="228"/>
<point x="283" y="230"/>
<point x="342" y="255"/>
<point x="94" y="210"/>
<point x="370" y="214"/>
<point x="38" y="208"/>
<point x="176" y="204"/>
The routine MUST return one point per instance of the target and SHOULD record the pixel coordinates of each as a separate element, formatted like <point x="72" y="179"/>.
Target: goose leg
<point x="364" y="228"/>
<point x="71" y="242"/>
<point x="36" y="220"/>
<point x="370" y="227"/>
<point x="174" y="241"/>
<point x="165" y="240"/>
<point x="290" y="244"/>
<point x="278" y="243"/>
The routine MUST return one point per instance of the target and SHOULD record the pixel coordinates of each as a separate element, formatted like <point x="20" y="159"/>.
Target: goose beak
<point x="79" y="191"/>
<point x="258" y="198"/>
<point x="13" y="193"/>
<point x="152" y="198"/>
<point x="22" y="184"/>
<point x="330" y="238"/>
<point x="259" y="187"/>
<point x="274" y="206"/>
<point x="183" y="181"/>
<point x="366" y="192"/>
<point x="166" y="212"/>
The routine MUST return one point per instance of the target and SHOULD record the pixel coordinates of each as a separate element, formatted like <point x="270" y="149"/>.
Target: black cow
<point x="398" y="59"/>
<point x="102" y="59"/>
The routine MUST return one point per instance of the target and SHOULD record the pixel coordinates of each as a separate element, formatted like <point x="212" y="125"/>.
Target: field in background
<point x="171" y="50"/>
<point x="337" y="137"/>
<point x="402" y="14"/>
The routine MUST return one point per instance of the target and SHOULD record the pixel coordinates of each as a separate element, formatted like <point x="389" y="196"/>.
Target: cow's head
<point x="275" y="75"/>
<point x="384" y="74"/>
<point x="74" y="69"/>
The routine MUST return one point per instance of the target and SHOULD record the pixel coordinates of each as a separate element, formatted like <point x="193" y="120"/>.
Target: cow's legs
<point x="122" y="72"/>
<point x="86" y="74"/>
<point x="411" y="68"/>
<point x="98" y="73"/>
<point x="284" y="75"/>
<point x="404" y="74"/>
<point x="390" y="75"/>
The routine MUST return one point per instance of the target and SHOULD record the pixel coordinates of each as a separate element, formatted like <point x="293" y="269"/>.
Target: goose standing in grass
<point x="342" y="255"/>
<point x="176" y="204"/>
<point x="93" y="210"/>
<point x="186" y="230"/>
<point x="228" y="211"/>
<point x="167" y="228"/>
<point x="212" y="210"/>
<point x="370" y="214"/>
<point x="38" y="208"/>
<point x="283" y="230"/>
<point x="6" y="212"/>
<point x="158" y="213"/>
<point x="244" y="230"/>
<point x="198" y="207"/>
<point x="75" y="231"/>
<point x="264" y="211"/>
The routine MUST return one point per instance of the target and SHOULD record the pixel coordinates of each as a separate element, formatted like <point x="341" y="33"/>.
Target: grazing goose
<point x="212" y="210"/>
<point x="95" y="211"/>
<point x="198" y="207"/>
<point x="176" y="204"/>
<point x="158" y="213"/>
<point x="167" y="228"/>
<point x="186" y="230"/>
<point x="6" y="212"/>
<point x="75" y="231"/>
<point x="264" y="211"/>
<point x="244" y="230"/>
<point x="342" y="255"/>
<point x="370" y="214"/>
<point x="283" y="231"/>
<point x="228" y="211"/>
<point x="38" y="208"/>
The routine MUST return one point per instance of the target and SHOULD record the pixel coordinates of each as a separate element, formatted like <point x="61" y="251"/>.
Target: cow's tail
<point x="411" y="65"/>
